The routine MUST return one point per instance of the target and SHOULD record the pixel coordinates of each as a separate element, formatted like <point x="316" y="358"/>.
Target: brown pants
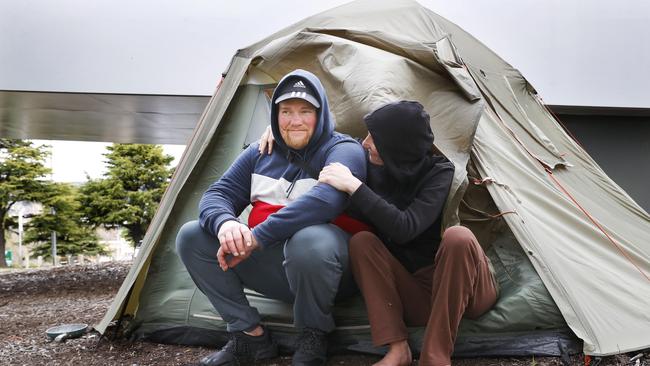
<point x="458" y="283"/>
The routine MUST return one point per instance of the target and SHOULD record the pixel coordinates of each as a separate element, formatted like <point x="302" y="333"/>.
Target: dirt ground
<point x="33" y="300"/>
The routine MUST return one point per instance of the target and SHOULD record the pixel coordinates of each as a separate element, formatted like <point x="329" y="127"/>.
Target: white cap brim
<point x="298" y="95"/>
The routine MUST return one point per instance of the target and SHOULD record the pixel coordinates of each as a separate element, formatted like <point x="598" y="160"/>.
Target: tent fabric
<point x="583" y="244"/>
<point x="524" y="306"/>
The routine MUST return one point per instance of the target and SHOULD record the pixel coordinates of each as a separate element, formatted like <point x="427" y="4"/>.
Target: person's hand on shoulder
<point x="236" y="240"/>
<point x="340" y="177"/>
<point x="266" y="141"/>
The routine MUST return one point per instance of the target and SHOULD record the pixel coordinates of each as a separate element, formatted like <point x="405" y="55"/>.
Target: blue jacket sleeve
<point x="321" y="204"/>
<point x="226" y="198"/>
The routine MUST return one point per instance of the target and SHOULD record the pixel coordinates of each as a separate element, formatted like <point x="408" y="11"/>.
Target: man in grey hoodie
<point x="294" y="246"/>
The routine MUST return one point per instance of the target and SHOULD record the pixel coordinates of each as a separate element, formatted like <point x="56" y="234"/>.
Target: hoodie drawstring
<point x="290" y="157"/>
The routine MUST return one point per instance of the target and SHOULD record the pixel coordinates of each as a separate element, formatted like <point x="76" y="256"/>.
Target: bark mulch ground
<point x="33" y="300"/>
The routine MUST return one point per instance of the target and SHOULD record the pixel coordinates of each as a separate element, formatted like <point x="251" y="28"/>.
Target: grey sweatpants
<point x="310" y="270"/>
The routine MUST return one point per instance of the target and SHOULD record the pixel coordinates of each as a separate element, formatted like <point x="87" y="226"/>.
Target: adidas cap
<point x="297" y="89"/>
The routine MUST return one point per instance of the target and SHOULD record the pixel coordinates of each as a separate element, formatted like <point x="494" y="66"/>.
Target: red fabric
<point x="262" y="210"/>
<point x="351" y="225"/>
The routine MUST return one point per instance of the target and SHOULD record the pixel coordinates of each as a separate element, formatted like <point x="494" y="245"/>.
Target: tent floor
<point x="561" y="342"/>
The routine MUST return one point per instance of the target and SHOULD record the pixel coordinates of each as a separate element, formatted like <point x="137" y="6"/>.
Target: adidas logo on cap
<point x="299" y="84"/>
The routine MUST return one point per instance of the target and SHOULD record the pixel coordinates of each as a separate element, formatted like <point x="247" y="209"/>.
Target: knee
<point x="316" y="246"/>
<point x="361" y="243"/>
<point x="458" y="239"/>
<point x="188" y="238"/>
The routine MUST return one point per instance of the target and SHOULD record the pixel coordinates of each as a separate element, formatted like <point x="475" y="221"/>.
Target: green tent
<point x="570" y="247"/>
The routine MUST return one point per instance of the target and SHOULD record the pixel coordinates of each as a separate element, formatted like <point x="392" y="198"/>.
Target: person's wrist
<point x="353" y="186"/>
<point x="226" y="225"/>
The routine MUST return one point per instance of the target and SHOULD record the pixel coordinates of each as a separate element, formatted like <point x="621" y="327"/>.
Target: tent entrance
<point x="524" y="321"/>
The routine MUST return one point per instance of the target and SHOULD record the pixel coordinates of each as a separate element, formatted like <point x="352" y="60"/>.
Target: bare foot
<point x="399" y="354"/>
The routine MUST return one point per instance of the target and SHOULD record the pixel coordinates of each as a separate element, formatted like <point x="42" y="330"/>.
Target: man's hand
<point x="227" y="260"/>
<point x="266" y="142"/>
<point x="340" y="177"/>
<point x="236" y="240"/>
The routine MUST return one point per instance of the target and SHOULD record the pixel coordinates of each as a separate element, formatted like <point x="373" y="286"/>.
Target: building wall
<point x="620" y="144"/>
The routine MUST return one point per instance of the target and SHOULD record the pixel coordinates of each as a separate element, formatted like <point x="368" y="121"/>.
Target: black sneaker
<point x="243" y="349"/>
<point x="311" y="348"/>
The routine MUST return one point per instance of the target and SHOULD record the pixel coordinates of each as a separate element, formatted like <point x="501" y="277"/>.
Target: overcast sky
<point x="72" y="161"/>
<point x="575" y="52"/>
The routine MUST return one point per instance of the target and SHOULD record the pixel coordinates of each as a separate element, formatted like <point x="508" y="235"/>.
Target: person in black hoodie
<point x="408" y="273"/>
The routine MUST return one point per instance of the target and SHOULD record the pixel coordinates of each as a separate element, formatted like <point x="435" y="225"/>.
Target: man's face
<point x="373" y="155"/>
<point x="297" y="121"/>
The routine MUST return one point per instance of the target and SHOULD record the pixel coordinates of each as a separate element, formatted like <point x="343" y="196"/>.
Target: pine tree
<point x="63" y="215"/>
<point x="129" y="194"/>
<point x="22" y="178"/>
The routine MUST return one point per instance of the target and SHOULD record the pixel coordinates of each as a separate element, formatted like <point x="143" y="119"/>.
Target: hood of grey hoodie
<point x="324" y="128"/>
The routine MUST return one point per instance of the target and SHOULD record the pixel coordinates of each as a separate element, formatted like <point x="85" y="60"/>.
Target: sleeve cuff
<point x="363" y="197"/>
<point x="260" y="242"/>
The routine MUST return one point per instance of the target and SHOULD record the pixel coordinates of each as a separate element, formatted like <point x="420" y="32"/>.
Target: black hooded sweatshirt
<point x="403" y="199"/>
